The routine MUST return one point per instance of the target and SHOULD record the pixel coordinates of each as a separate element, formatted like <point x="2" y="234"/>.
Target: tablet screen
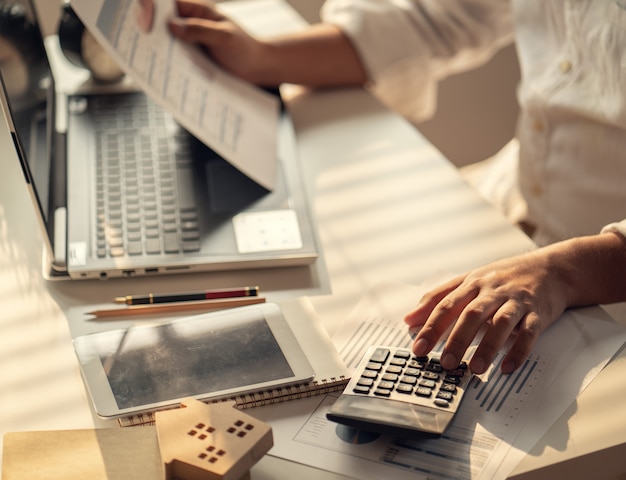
<point x="195" y="357"/>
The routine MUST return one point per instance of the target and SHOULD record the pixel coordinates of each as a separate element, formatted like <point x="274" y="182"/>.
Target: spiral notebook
<point x="331" y="374"/>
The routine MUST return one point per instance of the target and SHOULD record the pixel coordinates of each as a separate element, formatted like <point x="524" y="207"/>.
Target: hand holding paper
<point x="235" y="118"/>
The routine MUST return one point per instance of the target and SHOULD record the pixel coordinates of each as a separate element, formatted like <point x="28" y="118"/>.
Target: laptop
<point x="122" y="190"/>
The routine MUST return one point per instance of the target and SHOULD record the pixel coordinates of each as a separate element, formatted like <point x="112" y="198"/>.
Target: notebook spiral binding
<point x="258" y="399"/>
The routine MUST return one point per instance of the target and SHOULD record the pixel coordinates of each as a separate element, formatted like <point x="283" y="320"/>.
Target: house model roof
<point x="210" y="441"/>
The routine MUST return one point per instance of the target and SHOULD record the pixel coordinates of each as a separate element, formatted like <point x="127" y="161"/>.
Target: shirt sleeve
<point x="407" y="46"/>
<point x="617" y="227"/>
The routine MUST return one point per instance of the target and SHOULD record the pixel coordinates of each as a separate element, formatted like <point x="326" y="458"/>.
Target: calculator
<point x="393" y="391"/>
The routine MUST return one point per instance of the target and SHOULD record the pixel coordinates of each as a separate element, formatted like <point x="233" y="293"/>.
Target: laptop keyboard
<point x="145" y="199"/>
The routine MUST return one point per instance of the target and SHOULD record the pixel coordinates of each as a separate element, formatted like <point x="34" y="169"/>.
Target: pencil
<point x="152" y="298"/>
<point x="215" y="304"/>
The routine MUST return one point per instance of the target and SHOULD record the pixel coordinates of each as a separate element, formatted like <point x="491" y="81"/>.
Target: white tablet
<point x="209" y="356"/>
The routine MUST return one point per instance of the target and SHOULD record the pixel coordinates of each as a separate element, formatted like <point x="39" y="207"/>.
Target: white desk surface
<point x="388" y="207"/>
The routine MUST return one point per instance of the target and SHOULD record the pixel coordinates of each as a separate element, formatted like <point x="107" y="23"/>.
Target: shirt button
<point x="565" y="66"/>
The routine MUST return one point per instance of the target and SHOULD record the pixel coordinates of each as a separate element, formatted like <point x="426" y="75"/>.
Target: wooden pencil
<point x="174" y="307"/>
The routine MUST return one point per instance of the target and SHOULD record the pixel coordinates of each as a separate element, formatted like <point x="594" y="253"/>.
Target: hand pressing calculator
<point x="393" y="391"/>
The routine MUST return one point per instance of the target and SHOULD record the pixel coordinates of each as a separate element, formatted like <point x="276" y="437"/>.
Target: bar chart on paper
<point x="505" y="395"/>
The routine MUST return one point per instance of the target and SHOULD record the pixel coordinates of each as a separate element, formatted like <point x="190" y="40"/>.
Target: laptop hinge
<point x="60" y="237"/>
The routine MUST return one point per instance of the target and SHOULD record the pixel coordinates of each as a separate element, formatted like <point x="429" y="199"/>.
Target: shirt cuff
<point x="617" y="227"/>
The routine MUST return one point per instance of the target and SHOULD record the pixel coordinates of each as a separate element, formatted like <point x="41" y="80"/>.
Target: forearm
<point x="592" y="268"/>
<point x="320" y="56"/>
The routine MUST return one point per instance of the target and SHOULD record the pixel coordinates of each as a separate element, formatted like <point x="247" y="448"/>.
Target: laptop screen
<point x="29" y="93"/>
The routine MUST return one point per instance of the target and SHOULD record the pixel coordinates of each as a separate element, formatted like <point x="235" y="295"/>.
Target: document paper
<point x="236" y="119"/>
<point x="501" y="418"/>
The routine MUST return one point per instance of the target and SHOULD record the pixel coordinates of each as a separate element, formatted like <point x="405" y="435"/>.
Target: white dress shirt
<point x="572" y="53"/>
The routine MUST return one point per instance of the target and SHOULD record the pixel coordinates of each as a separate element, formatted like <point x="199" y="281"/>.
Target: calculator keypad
<point x="390" y="372"/>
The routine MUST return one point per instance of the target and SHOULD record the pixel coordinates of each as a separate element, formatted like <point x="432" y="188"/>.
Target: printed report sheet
<point x="236" y="119"/>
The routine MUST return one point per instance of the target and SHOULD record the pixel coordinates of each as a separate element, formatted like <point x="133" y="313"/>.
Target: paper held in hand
<point x="236" y="119"/>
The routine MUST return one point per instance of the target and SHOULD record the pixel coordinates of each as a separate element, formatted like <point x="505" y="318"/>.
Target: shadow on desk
<point x="600" y="456"/>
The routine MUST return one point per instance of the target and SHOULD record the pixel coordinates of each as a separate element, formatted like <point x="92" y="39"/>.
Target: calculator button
<point x="402" y="354"/>
<point x="456" y="373"/>
<point x="386" y="385"/>
<point x="382" y="392"/>
<point x="423" y="392"/>
<point x="418" y="364"/>
<point x="452" y="379"/>
<point x="448" y="387"/>
<point x="369" y="374"/>
<point x="427" y="383"/>
<point x="361" y="390"/>
<point x="441" y="403"/>
<point x="380" y="355"/>
<point x="401" y="362"/>
<point x="434" y="367"/>
<point x="413" y="372"/>
<point x="390" y="377"/>
<point x="365" y="382"/>
<point x="431" y="376"/>
<point x="374" y="366"/>
<point x="394" y="369"/>
<point x="403" y="388"/>
<point x="445" y="396"/>
<point x="410" y="380"/>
